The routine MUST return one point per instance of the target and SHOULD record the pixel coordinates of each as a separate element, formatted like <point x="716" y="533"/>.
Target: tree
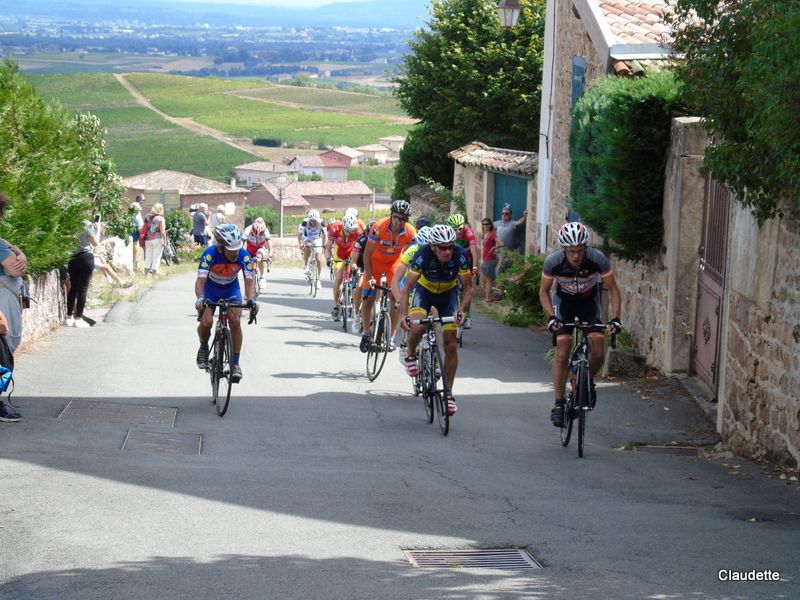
<point x="740" y="73"/>
<point x="54" y="168"/>
<point x="467" y="78"/>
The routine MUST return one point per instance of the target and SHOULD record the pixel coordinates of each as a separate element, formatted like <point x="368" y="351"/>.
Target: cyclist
<point x="357" y="267"/>
<point x="343" y="236"/>
<point x="578" y="273"/>
<point x="387" y="239"/>
<point x="399" y="288"/>
<point x="256" y="236"/>
<point x="218" y="279"/>
<point x="433" y="278"/>
<point x="465" y="238"/>
<point x="311" y="236"/>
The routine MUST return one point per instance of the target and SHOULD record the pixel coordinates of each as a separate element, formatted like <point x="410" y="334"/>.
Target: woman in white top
<point x="155" y="240"/>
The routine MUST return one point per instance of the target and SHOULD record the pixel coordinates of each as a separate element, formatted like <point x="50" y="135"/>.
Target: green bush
<point x="521" y="282"/>
<point x="54" y="169"/>
<point x="618" y="146"/>
<point x="269" y="214"/>
<point x="179" y="226"/>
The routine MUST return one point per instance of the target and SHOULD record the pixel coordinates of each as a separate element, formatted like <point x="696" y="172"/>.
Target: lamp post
<point x="281" y="182"/>
<point x="508" y="11"/>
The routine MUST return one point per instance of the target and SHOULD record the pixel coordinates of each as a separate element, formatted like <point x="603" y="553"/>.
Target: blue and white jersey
<point x="222" y="272"/>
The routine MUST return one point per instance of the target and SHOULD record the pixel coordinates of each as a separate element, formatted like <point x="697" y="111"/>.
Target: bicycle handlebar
<point x="427" y="320"/>
<point x="226" y="305"/>
<point x="585" y="325"/>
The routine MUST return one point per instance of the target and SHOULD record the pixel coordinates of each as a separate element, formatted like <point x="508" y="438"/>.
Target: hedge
<point x="618" y="145"/>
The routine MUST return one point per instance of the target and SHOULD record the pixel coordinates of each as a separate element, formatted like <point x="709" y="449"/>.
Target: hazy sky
<point x="284" y="3"/>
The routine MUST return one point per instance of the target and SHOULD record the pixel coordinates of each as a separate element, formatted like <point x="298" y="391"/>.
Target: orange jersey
<point x="388" y="249"/>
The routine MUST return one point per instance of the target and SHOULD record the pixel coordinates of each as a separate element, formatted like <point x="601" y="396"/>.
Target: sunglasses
<point x="403" y="218"/>
<point x="506" y="214"/>
<point x="446" y="248"/>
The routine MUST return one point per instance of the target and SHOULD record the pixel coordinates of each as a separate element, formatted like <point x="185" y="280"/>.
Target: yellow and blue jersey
<point x="437" y="276"/>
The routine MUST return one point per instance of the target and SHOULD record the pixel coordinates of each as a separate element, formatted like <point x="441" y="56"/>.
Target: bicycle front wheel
<point x="224" y="380"/>
<point x="379" y="346"/>
<point x="346" y="303"/>
<point x="425" y="383"/>
<point x="582" y="403"/>
<point x="440" y="393"/>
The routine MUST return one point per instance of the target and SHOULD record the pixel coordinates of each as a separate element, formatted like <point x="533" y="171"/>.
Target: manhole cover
<point x="676" y="450"/>
<point x="489" y="558"/>
<point x="132" y="414"/>
<point x="167" y="442"/>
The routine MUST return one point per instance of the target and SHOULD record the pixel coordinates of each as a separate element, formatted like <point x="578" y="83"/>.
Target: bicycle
<point x="262" y="286"/>
<point x="346" y="293"/>
<point x="380" y="332"/>
<point x="578" y="402"/>
<point x="219" y="364"/>
<point x="312" y="277"/>
<point x="169" y="255"/>
<point x="430" y="372"/>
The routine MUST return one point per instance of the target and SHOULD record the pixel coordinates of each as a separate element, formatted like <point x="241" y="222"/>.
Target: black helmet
<point x="423" y="221"/>
<point x="402" y="207"/>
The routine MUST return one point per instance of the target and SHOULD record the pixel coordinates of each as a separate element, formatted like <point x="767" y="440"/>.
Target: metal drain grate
<point x="112" y="412"/>
<point x="676" y="450"/>
<point x="170" y="442"/>
<point x="487" y="558"/>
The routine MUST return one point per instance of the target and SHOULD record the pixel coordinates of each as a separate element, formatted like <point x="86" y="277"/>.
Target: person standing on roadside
<point x="155" y="240"/>
<point x="506" y="230"/>
<point x="138" y="221"/>
<point x="80" y="268"/>
<point x="200" y="225"/>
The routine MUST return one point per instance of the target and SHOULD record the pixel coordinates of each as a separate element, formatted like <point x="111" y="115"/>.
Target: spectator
<point x="155" y="240"/>
<point x="13" y="265"/>
<point x="218" y="218"/>
<point x="7" y="413"/>
<point x="80" y="268"/>
<point x="489" y="258"/>
<point x="506" y="230"/>
<point x="200" y="224"/>
<point x="138" y="221"/>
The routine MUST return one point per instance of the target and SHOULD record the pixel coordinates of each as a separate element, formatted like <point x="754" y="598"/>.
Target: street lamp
<point x="281" y="182"/>
<point x="508" y="11"/>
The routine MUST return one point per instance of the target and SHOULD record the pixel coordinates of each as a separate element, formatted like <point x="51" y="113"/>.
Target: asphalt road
<point x="316" y="479"/>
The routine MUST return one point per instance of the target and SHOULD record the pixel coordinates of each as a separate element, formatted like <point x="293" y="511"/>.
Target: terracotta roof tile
<point x="265" y="165"/>
<point x="497" y="159"/>
<point x="185" y="183"/>
<point x="637" y="22"/>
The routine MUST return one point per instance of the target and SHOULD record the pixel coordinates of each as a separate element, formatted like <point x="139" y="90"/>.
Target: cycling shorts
<point x="376" y="274"/>
<point x="215" y="293"/>
<point x="316" y="243"/>
<point x="422" y="300"/>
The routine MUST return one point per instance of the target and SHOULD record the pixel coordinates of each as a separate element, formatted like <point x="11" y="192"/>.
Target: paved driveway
<point x="316" y="479"/>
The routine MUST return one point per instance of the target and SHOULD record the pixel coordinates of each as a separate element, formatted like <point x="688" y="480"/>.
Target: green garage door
<point x="512" y="191"/>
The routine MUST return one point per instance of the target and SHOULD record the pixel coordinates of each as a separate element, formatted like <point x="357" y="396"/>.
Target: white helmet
<point x="423" y="235"/>
<point x="228" y="236"/>
<point x="441" y="234"/>
<point x="573" y="234"/>
<point x="350" y="223"/>
<point x="351" y="211"/>
<point x="313" y="215"/>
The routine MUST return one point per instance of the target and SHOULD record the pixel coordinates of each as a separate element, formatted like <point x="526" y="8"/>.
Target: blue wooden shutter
<point x="578" y="78"/>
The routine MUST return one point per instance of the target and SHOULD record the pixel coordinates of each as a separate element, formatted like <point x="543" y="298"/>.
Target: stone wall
<point x="571" y="40"/>
<point x="49" y="309"/>
<point x="760" y="413"/>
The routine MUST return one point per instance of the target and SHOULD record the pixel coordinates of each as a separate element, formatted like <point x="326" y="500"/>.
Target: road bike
<point x="312" y="276"/>
<point x="169" y="254"/>
<point x="430" y="382"/>
<point x="380" y="332"/>
<point x="346" y="294"/>
<point x="261" y="286"/>
<point x="219" y="364"/>
<point x="578" y="402"/>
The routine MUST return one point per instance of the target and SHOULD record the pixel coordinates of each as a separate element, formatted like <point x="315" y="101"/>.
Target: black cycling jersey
<point x="577" y="290"/>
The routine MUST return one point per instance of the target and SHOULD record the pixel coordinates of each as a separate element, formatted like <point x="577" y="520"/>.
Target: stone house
<point x="325" y="196"/>
<point x="177" y="190"/>
<point x="721" y="302"/>
<point x="491" y="178"/>
<point x="377" y="152"/>
<point x="393" y="143"/>
<point x="262" y="171"/>
<point x="328" y="168"/>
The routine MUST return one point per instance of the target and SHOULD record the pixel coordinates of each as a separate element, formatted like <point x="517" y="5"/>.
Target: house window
<point x="578" y="77"/>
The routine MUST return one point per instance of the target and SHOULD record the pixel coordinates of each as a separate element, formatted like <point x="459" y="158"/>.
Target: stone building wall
<point x="49" y="309"/>
<point x="760" y="403"/>
<point x="571" y="40"/>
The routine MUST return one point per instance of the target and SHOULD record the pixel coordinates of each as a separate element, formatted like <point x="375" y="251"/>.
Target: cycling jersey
<point x="577" y="290"/>
<point x="360" y="245"/>
<point x="343" y="241"/>
<point x="465" y="237"/>
<point x="255" y="241"/>
<point x="436" y="276"/>
<point x="387" y="247"/>
<point x="409" y="253"/>
<point x="222" y="275"/>
<point x="310" y="233"/>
